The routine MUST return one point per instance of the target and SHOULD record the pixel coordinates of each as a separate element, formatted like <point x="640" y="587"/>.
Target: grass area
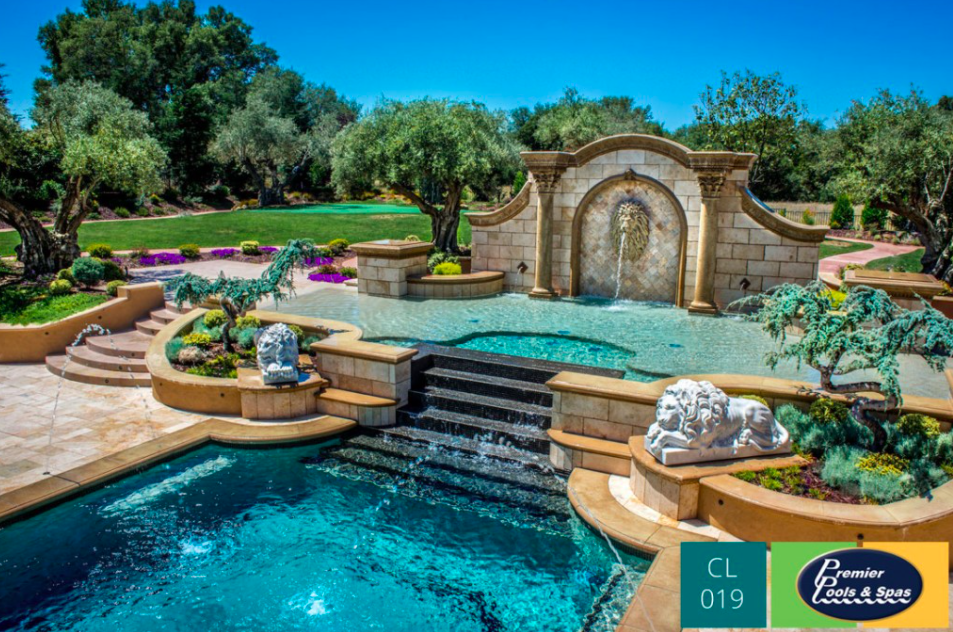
<point x="831" y="248"/>
<point x="229" y="229"/>
<point x="21" y="305"/>
<point x="909" y="262"/>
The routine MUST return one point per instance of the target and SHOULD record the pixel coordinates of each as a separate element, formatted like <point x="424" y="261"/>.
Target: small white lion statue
<point x="696" y="422"/>
<point x="277" y="354"/>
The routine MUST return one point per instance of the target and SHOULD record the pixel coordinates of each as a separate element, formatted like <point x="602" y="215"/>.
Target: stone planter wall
<point x="457" y="286"/>
<point x="32" y="343"/>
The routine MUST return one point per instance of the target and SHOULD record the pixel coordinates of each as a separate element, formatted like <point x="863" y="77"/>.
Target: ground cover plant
<point x="858" y="448"/>
<point x="909" y="262"/>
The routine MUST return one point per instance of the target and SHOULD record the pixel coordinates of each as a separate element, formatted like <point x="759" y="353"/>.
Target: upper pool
<point x="646" y="340"/>
<point x="366" y="534"/>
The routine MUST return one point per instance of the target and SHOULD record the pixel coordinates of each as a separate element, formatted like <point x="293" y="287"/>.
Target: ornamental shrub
<point x="66" y="274"/>
<point x="121" y="212"/>
<point x="250" y="248"/>
<point x="348" y="272"/>
<point x="88" y="271"/>
<point x="827" y="411"/>
<point x="197" y="340"/>
<point x="880" y="463"/>
<point x="192" y="355"/>
<point x="448" y="268"/>
<point x="172" y="349"/>
<point x="326" y="268"/>
<point x="112" y="288"/>
<point x="60" y="287"/>
<point x="215" y="333"/>
<point x="411" y="238"/>
<point x="438" y="257"/>
<point x="813" y="437"/>
<point x="249" y="321"/>
<point x="221" y="191"/>
<point x="100" y="251"/>
<point x="189" y="251"/>
<point x="298" y="331"/>
<point x="338" y="246"/>
<point x="807" y="217"/>
<point x="873" y="218"/>
<point x="142" y="211"/>
<point x="849" y="266"/>
<point x="214" y="318"/>
<point x="917" y="424"/>
<point x="755" y="398"/>
<point x="840" y="470"/>
<point x="746" y="475"/>
<point x="246" y="338"/>
<point x="518" y="181"/>
<point x="112" y="271"/>
<point x="842" y="215"/>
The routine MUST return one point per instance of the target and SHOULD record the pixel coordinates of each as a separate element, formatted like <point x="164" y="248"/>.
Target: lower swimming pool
<point x="646" y="340"/>
<point x="363" y="534"/>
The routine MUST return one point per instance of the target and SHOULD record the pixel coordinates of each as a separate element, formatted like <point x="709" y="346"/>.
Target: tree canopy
<point x="97" y="138"/>
<point x="897" y="152"/>
<point x="423" y="146"/>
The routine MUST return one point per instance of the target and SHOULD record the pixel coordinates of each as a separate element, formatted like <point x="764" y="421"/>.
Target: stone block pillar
<point x="710" y="183"/>
<point x="384" y="266"/>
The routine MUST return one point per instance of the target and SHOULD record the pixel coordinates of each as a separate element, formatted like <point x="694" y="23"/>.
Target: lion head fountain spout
<point x="277" y="354"/>
<point x="630" y="234"/>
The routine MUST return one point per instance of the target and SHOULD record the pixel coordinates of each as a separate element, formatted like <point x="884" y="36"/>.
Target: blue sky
<point x="508" y="54"/>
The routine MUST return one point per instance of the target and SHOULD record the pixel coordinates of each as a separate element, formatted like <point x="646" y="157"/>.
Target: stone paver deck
<point x="91" y="422"/>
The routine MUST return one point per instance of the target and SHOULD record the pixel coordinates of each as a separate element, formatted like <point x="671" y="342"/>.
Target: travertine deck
<point x="91" y="422"/>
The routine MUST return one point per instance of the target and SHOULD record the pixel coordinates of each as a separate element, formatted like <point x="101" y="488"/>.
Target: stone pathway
<point x="831" y="265"/>
<point x="91" y="422"/>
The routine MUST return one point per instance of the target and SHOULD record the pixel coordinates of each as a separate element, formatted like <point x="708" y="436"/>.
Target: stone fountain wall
<point x="755" y="249"/>
<point x="653" y="275"/>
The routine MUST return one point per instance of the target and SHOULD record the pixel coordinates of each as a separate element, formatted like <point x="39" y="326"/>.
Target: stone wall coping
<point x="355" y="399"/>
<point x="249" y="381"/>
<point x="904" y="284"/>
<point x="457" y="279"/>
<point x="694" y="472"/>
<point x="392" y="248"/>
<point x="76" y="480"/>
<point x="770" y="387"/>
<point x="32" y="343"/>
<point x="584" y="443"/>
<point x="896" y="515"/>
<point x="505" y="213"/>
<point x="364" y="350"/>
<point x="764" y="216"/>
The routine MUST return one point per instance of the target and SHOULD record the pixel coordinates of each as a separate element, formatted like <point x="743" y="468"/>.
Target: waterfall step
<point x="487" y="469"/>
<point x="57" y="365"/>
<point x="482" y="384"/>
<point x="532" y="438"/>
<point x="492" y="408"/>
<point x="449" y="443"/>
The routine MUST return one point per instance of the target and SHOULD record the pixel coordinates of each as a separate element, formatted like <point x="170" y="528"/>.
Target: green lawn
<point x="228" y="229"/>
<point x="833" y="247"/>
<point x="28" y="305"/>
<point x="909" y="262"/>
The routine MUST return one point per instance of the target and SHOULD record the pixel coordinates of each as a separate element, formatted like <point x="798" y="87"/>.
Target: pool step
<point x="483" y="406"/>
<point x="449" y="443"/>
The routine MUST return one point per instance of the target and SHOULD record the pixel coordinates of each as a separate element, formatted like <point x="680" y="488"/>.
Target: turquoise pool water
<point x="368" y="534"/>
<point x="646" y="340"/>
<point x="344" y="208"/>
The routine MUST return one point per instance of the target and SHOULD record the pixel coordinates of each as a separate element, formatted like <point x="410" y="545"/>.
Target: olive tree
<point x="897" y="153"/>
<point x="99" y="141"/>
<point x="428" y="151"/>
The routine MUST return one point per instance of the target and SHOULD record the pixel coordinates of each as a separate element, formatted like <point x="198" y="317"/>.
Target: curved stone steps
<point x="89" y="375"/>
<point x="88" y="357"/>
<point x="164" y="316"/>
<point x="128" y="344"/>
<point x="149" y="327"/>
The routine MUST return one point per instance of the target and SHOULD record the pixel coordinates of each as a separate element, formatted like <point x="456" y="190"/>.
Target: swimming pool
<point x="646" y="340"/>
<point x="363" y="534"/>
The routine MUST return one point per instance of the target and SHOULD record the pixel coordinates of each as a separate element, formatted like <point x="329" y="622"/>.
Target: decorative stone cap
<point x="249" y="380"/>
<point x="905" y="284"/>
<point x="364" y="350"/>
<point x="392" y="248"/>
<point x="457" y="279"/>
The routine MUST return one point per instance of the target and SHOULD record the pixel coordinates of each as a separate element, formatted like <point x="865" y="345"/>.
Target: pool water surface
<point x="647" y="341"/>
<point x="364" y="534"/>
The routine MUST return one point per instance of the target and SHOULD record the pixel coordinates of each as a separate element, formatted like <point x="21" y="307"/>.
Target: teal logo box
<point x="724" y="585"/>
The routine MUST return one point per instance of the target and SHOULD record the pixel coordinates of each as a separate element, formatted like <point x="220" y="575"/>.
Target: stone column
<point x="710" y="183"/>
<point x="546" y="183"/>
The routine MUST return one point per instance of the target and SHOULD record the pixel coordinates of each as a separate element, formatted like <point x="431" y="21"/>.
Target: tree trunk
<point x="445" y="221"/>
<point x="41" y="251"/>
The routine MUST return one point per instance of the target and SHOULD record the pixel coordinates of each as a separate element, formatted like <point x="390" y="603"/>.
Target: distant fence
<point x="794" y="211"/>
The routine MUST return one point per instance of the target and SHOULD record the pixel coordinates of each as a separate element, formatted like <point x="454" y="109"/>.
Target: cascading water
<point x="630" y="230"/>
<point x="623" y="238"/>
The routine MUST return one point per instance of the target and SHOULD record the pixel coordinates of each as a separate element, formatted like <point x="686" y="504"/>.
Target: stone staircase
<point x="113" y="360"/>
<point x="486" y="404"/>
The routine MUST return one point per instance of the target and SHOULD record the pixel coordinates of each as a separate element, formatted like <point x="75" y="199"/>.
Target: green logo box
<point x="788" y="610"/>
<point x="724" y="585"/>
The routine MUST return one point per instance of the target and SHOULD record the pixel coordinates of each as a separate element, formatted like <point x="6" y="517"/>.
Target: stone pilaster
<point x="710" y="182"/>
<point x="547" y="181"/>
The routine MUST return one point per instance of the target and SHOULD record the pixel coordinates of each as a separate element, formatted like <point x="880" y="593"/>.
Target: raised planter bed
<point x="456" y="286"/>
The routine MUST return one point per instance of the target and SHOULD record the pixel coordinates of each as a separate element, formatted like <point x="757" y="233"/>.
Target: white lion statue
<point x="696" y="421"/>
<point x="277" y="354"/>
